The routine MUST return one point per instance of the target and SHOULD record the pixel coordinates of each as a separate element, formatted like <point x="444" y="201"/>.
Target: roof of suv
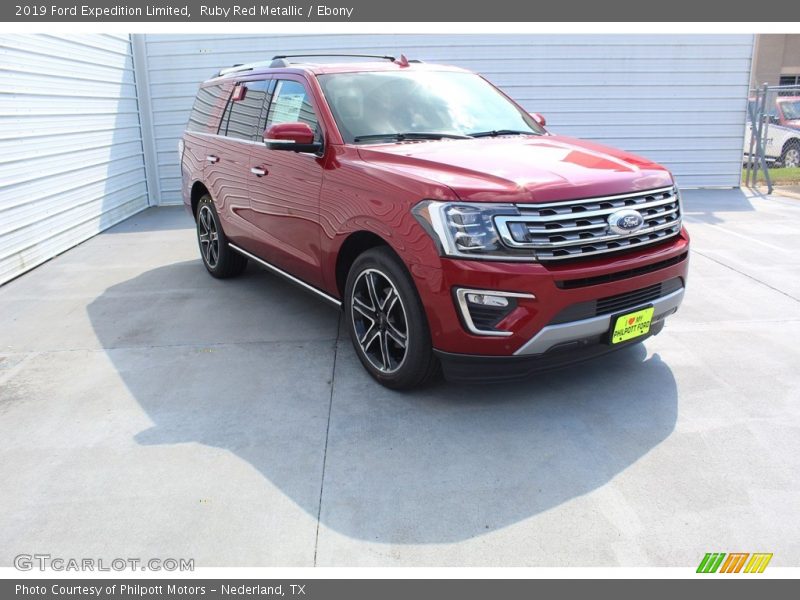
<point x="332" y="67"/>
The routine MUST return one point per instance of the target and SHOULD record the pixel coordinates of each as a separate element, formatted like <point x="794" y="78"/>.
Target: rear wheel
<point x="219" y="259"/>
<point x="791" y="155"/>
<point x="386" y="321"/>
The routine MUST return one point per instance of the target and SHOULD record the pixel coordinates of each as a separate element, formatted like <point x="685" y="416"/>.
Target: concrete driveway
<point x="148" y="410"/>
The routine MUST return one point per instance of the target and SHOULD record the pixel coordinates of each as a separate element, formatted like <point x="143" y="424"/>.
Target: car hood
<point x="521" y="168"/>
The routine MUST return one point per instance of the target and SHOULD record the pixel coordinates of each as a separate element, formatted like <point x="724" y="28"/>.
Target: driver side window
<point x="290" y="104"/>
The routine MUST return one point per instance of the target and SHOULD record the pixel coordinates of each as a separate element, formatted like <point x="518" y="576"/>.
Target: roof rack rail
<point x="244" y="67"/>
<point x="283" y="57"/>
<point x="281" y="60"/>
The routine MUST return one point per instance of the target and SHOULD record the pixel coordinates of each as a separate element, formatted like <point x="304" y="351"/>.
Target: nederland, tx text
<point x="266" y="10"/>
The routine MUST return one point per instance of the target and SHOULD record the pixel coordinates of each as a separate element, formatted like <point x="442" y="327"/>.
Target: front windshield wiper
<point x="496" y="132"/>
<point x="411" y="135"/>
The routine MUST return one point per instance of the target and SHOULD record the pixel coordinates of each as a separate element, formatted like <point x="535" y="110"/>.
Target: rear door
<point x="285" y="187"/>
<point x="209" y="104"/>
<point x="228" y="158"/>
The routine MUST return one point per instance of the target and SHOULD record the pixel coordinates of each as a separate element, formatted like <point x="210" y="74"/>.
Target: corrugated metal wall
<point x="678" y="99"/>
<point x="73" y="116"/>
<point x="71" y="161"/>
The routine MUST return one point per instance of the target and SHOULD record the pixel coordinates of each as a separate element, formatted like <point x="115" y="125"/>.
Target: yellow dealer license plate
<point x="631" y="325"/>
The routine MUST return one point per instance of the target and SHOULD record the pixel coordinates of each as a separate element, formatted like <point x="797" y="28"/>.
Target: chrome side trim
<point x="553" y="335"/>
<point x="241" y="141"/>
<point x="284" y="274"/>
<point x="227" y="138"/>
<point x="461" y="295"/>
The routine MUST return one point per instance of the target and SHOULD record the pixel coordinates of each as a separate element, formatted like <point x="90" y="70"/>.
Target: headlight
<point x="467" y="230"/>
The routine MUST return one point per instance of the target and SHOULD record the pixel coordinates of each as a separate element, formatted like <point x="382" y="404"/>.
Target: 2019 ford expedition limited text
<point x="452" y="228"/>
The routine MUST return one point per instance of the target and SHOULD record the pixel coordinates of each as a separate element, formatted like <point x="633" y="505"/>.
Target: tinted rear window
<point x="205" y="111"/>
<point x="243" y="118"/>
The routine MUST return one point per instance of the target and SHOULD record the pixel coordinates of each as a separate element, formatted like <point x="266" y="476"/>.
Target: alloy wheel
<point x="209" y="238"/>
<point x="792" y="158"/>
<point x="379" y="320"/>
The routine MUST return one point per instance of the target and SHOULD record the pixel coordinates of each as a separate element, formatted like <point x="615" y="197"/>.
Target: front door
<point x="284" y="188"/>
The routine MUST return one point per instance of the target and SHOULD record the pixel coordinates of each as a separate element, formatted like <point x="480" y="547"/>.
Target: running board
<point x="285" y="275"/>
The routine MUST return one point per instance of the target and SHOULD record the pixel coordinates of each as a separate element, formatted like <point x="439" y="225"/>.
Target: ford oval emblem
<point x="625" y="221"/>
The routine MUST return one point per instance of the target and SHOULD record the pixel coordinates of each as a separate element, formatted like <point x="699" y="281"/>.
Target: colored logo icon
<point x="734" y="562"/>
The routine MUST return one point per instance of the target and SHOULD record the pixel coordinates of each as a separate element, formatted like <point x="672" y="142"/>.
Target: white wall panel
<point x="71" y="161"/>
<point x="678" y="99"/>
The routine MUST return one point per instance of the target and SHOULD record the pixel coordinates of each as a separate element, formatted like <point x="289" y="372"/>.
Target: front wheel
<point x="386" y="321"/>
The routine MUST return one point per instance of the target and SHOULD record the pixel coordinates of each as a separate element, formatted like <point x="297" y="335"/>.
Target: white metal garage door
<point x="678" y="99"/>
<point x="71" y="161"/>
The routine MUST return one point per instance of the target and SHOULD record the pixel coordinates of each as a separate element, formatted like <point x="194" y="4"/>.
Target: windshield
<point x="791" y="109"/>
<point x="379" y="106"/>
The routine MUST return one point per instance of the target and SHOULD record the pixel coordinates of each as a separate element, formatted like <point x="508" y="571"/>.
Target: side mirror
<point x="297" y="137"/>
<point x="539" y="118"/>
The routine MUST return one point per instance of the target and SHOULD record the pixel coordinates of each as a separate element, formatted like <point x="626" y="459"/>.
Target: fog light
<point x="487" y="300"/>
<point x="482" y="310"/>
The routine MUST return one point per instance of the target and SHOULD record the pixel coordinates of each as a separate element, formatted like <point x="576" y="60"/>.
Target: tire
<point x="217" y="256"/>
<point x="382" y="312"/>
<point x="791" y="155"/>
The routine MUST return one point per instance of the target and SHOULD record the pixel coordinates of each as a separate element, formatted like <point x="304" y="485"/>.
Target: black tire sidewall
<point x="229" y="263"/>
<point x="417" y="366"/>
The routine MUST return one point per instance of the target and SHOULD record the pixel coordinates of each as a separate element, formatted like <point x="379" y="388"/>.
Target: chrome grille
<point x="578" y="228"/>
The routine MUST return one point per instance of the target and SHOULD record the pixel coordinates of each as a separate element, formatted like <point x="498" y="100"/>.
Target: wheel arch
<point x="198" y="191"/>
<point x="791" y="142"/>
<point x="355" y="244"/>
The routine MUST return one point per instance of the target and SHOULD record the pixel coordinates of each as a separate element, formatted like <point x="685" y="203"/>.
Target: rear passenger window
<point x="243" y="116"/>
<point x="207" y="103"/>
<point x="290" y="104"/>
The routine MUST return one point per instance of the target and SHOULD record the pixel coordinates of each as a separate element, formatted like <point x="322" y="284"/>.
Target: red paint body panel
<point x="521" y="168"/>
<point x="783" y="118"/>
<point x="300" y="213"/>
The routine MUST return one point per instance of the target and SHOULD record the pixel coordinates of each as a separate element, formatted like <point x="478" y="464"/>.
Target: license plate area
<point x="630" y="325"/>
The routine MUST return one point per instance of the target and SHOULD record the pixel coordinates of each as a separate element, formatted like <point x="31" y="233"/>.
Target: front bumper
<point x="561" y="334"/>
<point x="535" y="327"/>
<point x="470" y="368"/>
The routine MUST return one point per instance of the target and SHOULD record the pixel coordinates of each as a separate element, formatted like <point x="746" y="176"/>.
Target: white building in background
<point x="90" y="124"/>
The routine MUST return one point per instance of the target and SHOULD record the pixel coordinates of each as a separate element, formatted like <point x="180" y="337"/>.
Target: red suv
<point x="452" y="228"/>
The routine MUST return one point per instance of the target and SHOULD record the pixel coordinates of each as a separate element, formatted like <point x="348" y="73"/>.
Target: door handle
<point x="212" y="159"/>
<point x="258" y="171"/>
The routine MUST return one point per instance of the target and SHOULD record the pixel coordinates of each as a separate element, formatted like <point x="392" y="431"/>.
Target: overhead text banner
<point x="391" y="11"/>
